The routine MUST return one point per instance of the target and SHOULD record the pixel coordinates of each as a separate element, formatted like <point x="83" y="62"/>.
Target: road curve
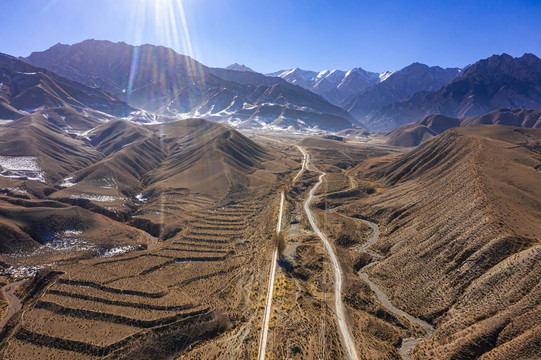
<point x="14" y="304"/>
<point x="408" y="343"/>
<point x="270" y="289"/>
<point x="347" y="341"/>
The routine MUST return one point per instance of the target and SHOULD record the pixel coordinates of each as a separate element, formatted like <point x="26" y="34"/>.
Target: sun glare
<point x="166" y="20"/>
<point x="167" y="24"/>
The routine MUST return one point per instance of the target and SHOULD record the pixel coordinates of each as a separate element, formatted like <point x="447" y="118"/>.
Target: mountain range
<point x="500" y="81"/>
<point x="25" y="88"/>
<point x="333" y="85"/>
<point x="157" y="79"/>
<point x="427" y="128"/>
<point x="382" y="102"/>
<point x="149" y="84"/>
<point x="413" y="79"/>
<point x="362" y="93"/>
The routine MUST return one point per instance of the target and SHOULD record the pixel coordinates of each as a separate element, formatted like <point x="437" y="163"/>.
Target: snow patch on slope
<point x="16" y="167"/>
<point x="97" y="198"/>
<point x="385" y="75"/>
<point x="67" y="182"/>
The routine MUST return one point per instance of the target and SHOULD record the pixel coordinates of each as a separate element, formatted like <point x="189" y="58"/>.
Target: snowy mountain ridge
<point x="333" y="85"/>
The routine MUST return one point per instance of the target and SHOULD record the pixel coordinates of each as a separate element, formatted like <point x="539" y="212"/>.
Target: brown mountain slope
<point x="416" y="133"/>
<point x="194" y="155"/>
<point x="25" y="88"/>
<point x="123" y="170"/>
<point x="115" y="134"/>
<point x="74" y="121"/>
<point x="47" y="229"/>
<point x="208" y="158"/>
<point x="45" y="150"/>
<point x="499" y="81"/>
<point x="425" y="129"/>
<point x="183" y="85"/>
<point x="461" y="226"/>
<point x="130" y="153"/>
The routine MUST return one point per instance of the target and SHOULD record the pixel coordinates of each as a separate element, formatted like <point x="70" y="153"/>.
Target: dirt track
<point x="408" y="343"/>
<point x="348" y="344"/>
<point x="14" y="304"/>
<point x="268" y="303"/>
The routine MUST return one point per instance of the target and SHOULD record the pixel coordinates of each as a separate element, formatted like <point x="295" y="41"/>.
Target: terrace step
<point x="173" y="299"/>
<point x="224" y="221"/>
<point x="112" y="289"/>
<point x="218" y="227"/>
<point x="113" y="318"/>
<point x="213" y="235"/>
<point x="120" y="302"/>
<point x="23" y="349"/>
<point x="214" y="214"/>
<point x="186" y="259"/>
<point x="86" y="348"/>
<point x="197" y="250"/>
<point x="204" y="240"/>
<point x="199" y="244"/>
<point x="210" y="275"/>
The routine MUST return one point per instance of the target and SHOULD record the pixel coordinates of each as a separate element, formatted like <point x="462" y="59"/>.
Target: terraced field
<point x="164" y="296"/>
<point x="193" y="285"/>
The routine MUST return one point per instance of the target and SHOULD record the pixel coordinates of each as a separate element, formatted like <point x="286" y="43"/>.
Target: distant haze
<point x="268" y="36"/>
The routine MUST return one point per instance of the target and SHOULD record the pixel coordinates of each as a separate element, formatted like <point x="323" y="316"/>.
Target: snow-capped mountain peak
<point x="333" y="85"/>
<point x="385" y="75"/>
<point x="238" y="67"/>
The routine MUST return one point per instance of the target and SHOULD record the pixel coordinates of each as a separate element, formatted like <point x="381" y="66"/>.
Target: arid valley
<point x="158" y="203"/>
<point x="194" y="276"/>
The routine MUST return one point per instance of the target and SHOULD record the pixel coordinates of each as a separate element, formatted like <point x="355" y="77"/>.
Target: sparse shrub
<point x="345" y="240"/>
<point x="280" y="243"/>
<point x="363" y="260"/>
<point x="322" y="205"/>
<point x="223" y="323"/>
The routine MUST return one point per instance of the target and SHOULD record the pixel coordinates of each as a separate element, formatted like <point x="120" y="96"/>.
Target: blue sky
<point x="273" y="35"/>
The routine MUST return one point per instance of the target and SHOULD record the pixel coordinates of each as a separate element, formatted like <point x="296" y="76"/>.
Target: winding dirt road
<point x="347" y="341"/>
<point x="14" y="304"/>
<point x="408" y="343"/>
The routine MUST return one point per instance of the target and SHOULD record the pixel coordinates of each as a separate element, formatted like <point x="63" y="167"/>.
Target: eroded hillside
<point x="461" y="235"/>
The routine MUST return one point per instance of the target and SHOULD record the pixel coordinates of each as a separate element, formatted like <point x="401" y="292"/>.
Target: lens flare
<point x="166" y="19"/>
<point x="169" y="76"/>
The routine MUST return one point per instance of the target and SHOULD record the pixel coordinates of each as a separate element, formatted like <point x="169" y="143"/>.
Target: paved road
<point x="14" y="304"/>
<point x="347" y="340"/>
<point x="270" y="290"/>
